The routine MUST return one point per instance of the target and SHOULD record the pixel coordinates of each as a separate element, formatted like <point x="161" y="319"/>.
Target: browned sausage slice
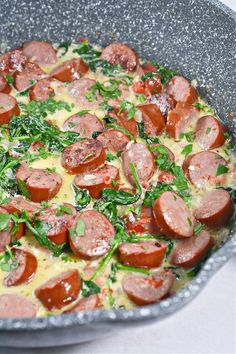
<point x="42" y="90"/>
<point x="181" y="90"/>
<point x="16" y="306"/>
<point x="18" y="204"/>
<point x="83" y="156"/>
<point x="144" y="290"/>
<point x="58" y="219"/>
<point x="128" y="124"/>
<point x="78" y="90"/>
<point x="12" y="61"/>
<point x="5" y="235"/>
<point x="24" y="273"/>
<point x="142" y="224"/>
<point x="4" y="86"/>
<point x="59" y="291"/>
<point x="70" y="70"/>
<point x="28" y="77"/>
<point x="146" y="254"/>
<point x="89" y="303"/>
<point x="113" y="140"/>
<point x="86" y="125"/>
<point x="143" y="161"/>
<point x="157" y="148"/>
<point x="94" y="236"/>
<point x="153" y="119"/>
<point x="216" y="208"/>
<point x="201" y="168"/>
<point x="119" y="53"/>
<point x="40" y="52"/>
<point x="41" y="185"/>
<point x="173" y="216"/>
<point x="188" y="253"/>
<point x="209" y="133"/>
<point x="148" y="68"/>
<point x="106" y="176"/>
<point x="165" y="103"/>
<point x="181" y="118"/>
<point x="8" y="108"/>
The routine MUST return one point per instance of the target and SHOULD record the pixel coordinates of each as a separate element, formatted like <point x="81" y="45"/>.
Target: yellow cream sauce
<point x="49" y="266"/>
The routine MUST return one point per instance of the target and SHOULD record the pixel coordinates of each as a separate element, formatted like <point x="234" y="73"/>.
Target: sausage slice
<point x="95" y="181"/>
<point x="173" y="216"/>
<point x="83" y="156"/>
<point x="113" y="140"/>
<point x="78" y="90"/>
<point x="188" y="253"/>
<point x="201" y="168"/>
<point x="42" y="90"/>
<point x="19" y="203"/>
<point x="92" y="235"/>
<point x="180" y="118"/>
<point x="142" y="224"/>
<point x="59" y="291"/>
<point x="85" y="125"/>
<point x="164" y="102"/>
<point x="146" y="254"/>
<point x="216" y="208"/>
<point x="12" y="61"/>
<point x="16" y="306"/>
<point x="24" y="273"/>
<point x="41" y="185"/>
<point x="4" y="85"/>
<point x="28" y="77"/>
<point x="209" y="133"/>
<point x="70" y="70"/>
<point x="181" y="90"/>
<point x="58" y="219"/>
<point x="144" y="290"/>
<point x="40" y="52"/>
<point x="8" y="108"/>
<point x="143" y="161"/>
<point x="119" y="53"/>
<point x="89" y="303"/>
<point x="128" y="124"/>
<point x="153" y="119"/>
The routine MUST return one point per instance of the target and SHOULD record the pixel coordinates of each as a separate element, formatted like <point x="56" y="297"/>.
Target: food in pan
<point x="117" y="180"/>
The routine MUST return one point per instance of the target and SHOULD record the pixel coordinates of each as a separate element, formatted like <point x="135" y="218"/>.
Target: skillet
<point x="195" y="37"/>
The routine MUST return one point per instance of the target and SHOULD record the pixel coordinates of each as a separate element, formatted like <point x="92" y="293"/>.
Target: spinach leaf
<point x="8" y="262"/>
<point x="89" y="288"/>
<point x="82" y="198"/>
<point x="4" y="221"/>
<point x="65" y="46"/>
<point x="149" y="139"/>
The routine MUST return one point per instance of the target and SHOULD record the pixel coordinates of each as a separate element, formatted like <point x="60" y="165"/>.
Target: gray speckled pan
<point x="198" y="38"/>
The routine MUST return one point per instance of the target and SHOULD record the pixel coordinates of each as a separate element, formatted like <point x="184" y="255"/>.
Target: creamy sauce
<point x="49" y="266"/>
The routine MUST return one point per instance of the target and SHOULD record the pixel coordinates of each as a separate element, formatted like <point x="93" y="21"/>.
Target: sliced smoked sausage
<point x="128" y="124"/>
<point x="28" y="77"/>
<point x="85" y="125"/>
<point x="209" y="133"/>
<point x="113" y="139"/>
<point x="16" y="306"/>
<point x="181" y="118"/>
<point x="143" y="161"/>
<point x="144" y="290"/>
<point x="145" y="254"/>
<point x="172" y="215"/>
<point x="94" y="236"/>
<point x="153" y="119"/>
<point x="8" y="108"/>
<point x="78" y="90"/>
<point x="201" y="168"/>
<point x="164" y="102"/>
<point x="142" y="224"/>
<point x="83" y="156"/>
<point x="89" y="303"/>
<point x="119" y="53"/>
<point x="18" y="204"/>
<point x="12" y="61"/>
<point x="59" y="291"/>
<point x="70" y="70"/>
<point x="24" y="273"/>
<point x="41" y="185"/>
<point x="58" y="219"/>
<point x="188" y="253"/>
<point x="42" y="90"/>
<point x="181" y="90"/>
<point x="216" y="208"/>
<point x="106" y="176"/>
<point x="4" y="85"/>
<point x="40" y="52"/>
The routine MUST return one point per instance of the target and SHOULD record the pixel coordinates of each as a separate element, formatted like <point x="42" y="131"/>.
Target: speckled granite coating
<point x="198" y="38"/>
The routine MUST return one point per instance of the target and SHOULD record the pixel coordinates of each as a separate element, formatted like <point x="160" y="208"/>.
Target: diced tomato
<point x="138" y="87"/>
<point x="139" y="228"/>
<point x="166" y="177"/>
<point x="106" y="178"/>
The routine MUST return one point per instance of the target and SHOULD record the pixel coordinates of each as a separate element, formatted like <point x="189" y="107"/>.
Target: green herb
<point x="80" y="228"/>
<point x="89" y="288"/>
<point x="141" y="98"/>
<point x="163" y="160"/>
<point x="4" y="221"/>
<point x="189" y="221"/>
<point x="67" y="259"/>
<point x="113" y="181"/>
<point x="208" y="130"/>
<point x="190" y="136"/>
<point x="221" y="169"/>
<point x="65" y="46"/>
<point x="82" y="198"/>
<point x="108" y="119"/>
<point x="155" y="192"/>
<point x="129" y="107"/>
<point x="110" y="157"/>
<point x="149" y="139"/>
<point x="187" y="150"/>
<point x="203" y="107"/>
<point x="170" y="247"/>
<point x="164" y="73"/>
<point x="62" y="209"/>
<point x="24" y="93"/>
<point x="8" y="262"/>
<point x="198" y="228"/>
<point x="96" y="134"/>
<point x="10" y="79"/>
<point x="117" y="266"/>
<point x="108" y="89"/>
<point x="23" y="188"/>
<point x="82" y="112"/>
